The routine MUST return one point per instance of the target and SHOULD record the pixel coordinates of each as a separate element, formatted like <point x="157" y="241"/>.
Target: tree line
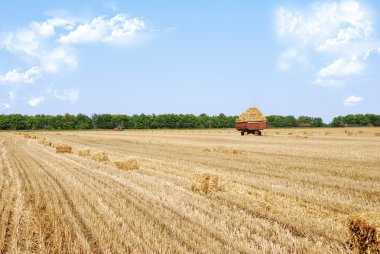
<point x="167" y="121"/>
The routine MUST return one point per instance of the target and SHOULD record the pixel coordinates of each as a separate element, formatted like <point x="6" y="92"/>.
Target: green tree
<point x="304" y="121"/>
<point x="83" y="122"/>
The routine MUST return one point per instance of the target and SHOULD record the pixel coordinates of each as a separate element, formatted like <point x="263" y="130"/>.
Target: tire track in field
<point x="143" y="208"/>
<point x="135" y="202"/>
<point x="51" y="183"/>
<point x="39" y="200"/>
<point x="15" y="205"/>
<point x="41" y="197"/>
<point x="7" y="203"/>
<point x="64" y="167"/>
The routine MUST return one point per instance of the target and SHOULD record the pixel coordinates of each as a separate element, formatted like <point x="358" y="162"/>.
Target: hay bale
<point x="127" y="165"/>
<point x="46" y="143"/>
<point x="84" y="153"/>
<point x="63" y="149"/>
<point x="251" y="115"/>
<point x="100" y="157"/>
<point x="365" y="232"/>
<point x="206" y="183"/>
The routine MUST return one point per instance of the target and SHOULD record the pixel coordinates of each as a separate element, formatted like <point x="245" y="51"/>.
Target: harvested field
<point x="195" y="191"/>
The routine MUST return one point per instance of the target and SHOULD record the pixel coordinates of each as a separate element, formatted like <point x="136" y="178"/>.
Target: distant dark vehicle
<point x="250" y="127"/>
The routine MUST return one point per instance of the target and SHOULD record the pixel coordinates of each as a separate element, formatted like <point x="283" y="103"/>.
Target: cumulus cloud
<point x="30" y="40"/>
<point x="338" y="35"/>
<point x="17" y="76"/>
<point x="35" y="101"/>
<point x="118" y="29"/>
<point x="352" y="100"/>
<point x="54" y="60"/>
<point x="327" y="24"/>
<point x="328" y="82"/>
<point x="50" y="45"/>
<point x="343" y="67"/>
<point x="70" y="95"/>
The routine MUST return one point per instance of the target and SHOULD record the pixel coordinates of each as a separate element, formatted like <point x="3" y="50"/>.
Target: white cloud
<point x="343" y="67"/>
<point x="51" y="48"/>
<point x="37" y="44"/>
<point x="50" y="45"/>
<point x="327" y="24"/>
<point x="70" y="95"/>
<point x="337" y="35"/>
<point x="46" y="29"/>
<point x="35" y="101"/>
<point x="4" y="105"/>
<point x="31" y="40"/>
<point x="54" y="60"/>
<point x="328" y="82"/>
<point x="352" y="100"/>
<point x="17" y="76"/>
<point x="118" y="29"/>
<point x="23" y="41"/>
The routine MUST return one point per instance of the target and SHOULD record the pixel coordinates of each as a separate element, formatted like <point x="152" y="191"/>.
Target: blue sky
<point x="317" y="58"/>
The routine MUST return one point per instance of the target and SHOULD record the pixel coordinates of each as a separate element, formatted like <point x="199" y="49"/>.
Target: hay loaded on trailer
<point x="252" y="121"/>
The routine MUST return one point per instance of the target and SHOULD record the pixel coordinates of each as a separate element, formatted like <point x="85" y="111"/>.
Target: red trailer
<point x="250" y="127"/>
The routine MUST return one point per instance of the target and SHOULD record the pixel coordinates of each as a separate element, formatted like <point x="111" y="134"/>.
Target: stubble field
<point x="190" y="191"/>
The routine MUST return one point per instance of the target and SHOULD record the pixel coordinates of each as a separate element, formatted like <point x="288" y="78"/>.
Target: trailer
<point x="250" y="127"/>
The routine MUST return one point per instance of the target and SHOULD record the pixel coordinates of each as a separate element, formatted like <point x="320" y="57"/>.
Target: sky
<point x="315" y="58"/>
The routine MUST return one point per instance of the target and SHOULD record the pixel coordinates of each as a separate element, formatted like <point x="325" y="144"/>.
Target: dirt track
<point x="282" y="193"/>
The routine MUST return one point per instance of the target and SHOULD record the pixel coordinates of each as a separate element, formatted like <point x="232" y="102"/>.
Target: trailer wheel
<point x="256" y="133"/>
<point x="242" y="133"/>
<point x="260" y="133"/>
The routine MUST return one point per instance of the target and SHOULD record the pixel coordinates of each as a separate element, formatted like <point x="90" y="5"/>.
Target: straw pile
<point x="84" y="153"/>
<point x="100" y="157"/>
<point x="207" y="183"/>
<point x="127" y="165"/>
<point x="46" y="143"/>
<point x="222" y="149"/>
<point x="365" y="232"/>
<point x="251" y="115"/>
<point x="63" y="149"/>
<point x="27" y="136"/>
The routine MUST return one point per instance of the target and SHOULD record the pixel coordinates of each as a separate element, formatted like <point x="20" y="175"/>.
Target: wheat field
<point x="188" y="191"/>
